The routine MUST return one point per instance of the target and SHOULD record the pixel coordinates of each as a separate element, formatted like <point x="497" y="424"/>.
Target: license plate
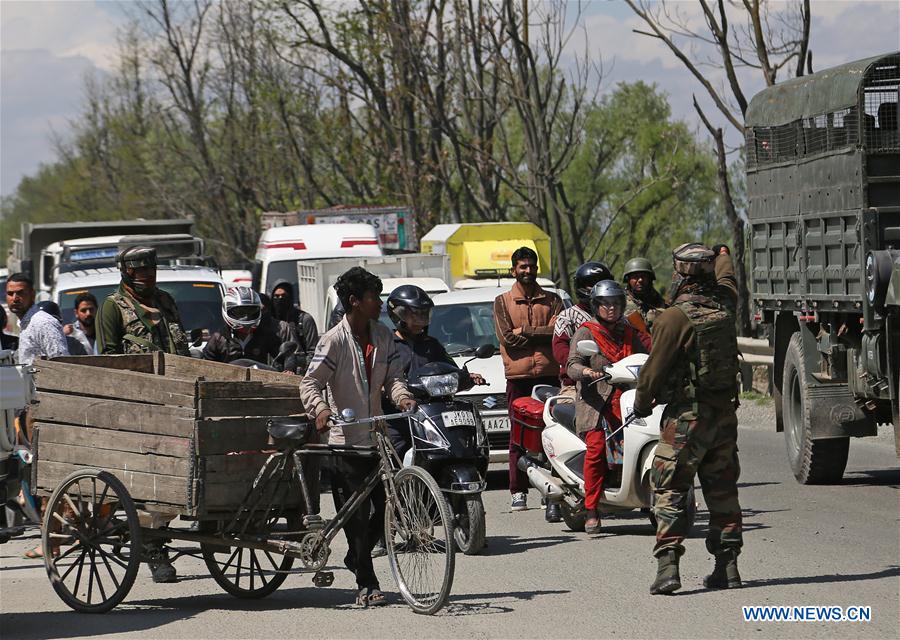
<point x="496" y="424"/>
<point x="458" y="418"/>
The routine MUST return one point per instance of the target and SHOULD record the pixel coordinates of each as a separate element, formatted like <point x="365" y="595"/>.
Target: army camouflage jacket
<point x="674" y="340"/>
<point x="649" y="309"/>
<point x="124" y="326"/>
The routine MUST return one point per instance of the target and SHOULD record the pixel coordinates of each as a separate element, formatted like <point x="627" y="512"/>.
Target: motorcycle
<point x="558" y="473"/>
<point x="18" y="510"/>
<point x="449" y="441"/>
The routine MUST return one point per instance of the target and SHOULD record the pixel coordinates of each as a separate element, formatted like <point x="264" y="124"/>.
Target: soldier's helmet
<point x="136" y="257"/>
<point x="694" y="260"/>
<point x="638" y="265"/>
<point x="607" y="292"/>
<point x="587" y="275"/>
<point x="241" y="308"/>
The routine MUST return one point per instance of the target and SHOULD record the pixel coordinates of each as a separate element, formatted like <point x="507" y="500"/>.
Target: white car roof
<point x="430" y="285"/>
<point x="484" y="294"/>
<point x="100" y="276"/>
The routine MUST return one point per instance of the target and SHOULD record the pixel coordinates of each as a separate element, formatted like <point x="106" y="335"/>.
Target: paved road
<point x="804" y="546"/>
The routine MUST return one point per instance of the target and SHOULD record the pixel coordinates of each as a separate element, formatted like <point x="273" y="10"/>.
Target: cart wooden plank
<point x="185" y="368"/>
<point x="151" y="487"/>
<point x="224" y="435"/>
<point x="122" y="440"/>
<point x="220" y="407"/>
<point x="231" y="390"/>
<point x="111" y="459"/>
<point x="69" y="378"/>
<point x="107" y="413"/>
<point x="138" y="362"/>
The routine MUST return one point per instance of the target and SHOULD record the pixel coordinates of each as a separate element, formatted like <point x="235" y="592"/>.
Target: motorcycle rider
<point x="567" y="323"/>
<point x="693" y="368"/>
<point x="644" y="302"/>
<point x="597" y="411"/>
<point x="243" y="336"/>
<point x="409" y="308"/>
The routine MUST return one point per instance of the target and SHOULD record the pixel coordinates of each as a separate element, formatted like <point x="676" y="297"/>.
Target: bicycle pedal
<point x="313" y="522"/>
<point x="323" y="578"/>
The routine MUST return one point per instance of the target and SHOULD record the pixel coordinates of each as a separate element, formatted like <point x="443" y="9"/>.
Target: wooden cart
<point x="125" y="444"/>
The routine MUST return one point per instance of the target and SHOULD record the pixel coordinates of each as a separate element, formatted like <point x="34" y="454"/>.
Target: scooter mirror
<point x="587" y="348"/>
<point x="348" y="415"/>
<point x="485" y="351"/>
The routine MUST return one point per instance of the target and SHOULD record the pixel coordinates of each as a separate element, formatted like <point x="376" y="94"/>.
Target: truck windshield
<point x="280" y="271"/>
<point x="462" y="328"/>
<point x="199" y="303"/>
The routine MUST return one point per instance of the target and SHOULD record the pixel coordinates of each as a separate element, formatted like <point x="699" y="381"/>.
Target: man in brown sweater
<point x="693" y="369"/>
<point x="523" y="319"/>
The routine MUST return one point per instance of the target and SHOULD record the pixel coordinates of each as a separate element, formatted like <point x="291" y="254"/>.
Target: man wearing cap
<point x="644" y="302"/>
<point x="693" y="370"/>
<point x="139" y="317"/>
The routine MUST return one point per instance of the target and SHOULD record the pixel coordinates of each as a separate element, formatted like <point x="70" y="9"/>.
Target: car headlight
<point x="442" y="385"/>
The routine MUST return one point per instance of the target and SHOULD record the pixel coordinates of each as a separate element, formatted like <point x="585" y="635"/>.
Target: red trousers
<point x="595" y="467"/>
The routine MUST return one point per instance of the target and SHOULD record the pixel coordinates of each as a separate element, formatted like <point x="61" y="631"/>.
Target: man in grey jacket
<point x="353" y="362"/>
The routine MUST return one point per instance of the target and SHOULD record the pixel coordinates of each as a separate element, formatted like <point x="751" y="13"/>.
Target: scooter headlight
<point x="438" y="386"/>
<point x="430" y="434"/>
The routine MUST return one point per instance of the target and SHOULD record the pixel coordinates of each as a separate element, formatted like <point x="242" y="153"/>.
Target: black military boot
<point x="725" y="574"/>
<point x="668" y="580"/>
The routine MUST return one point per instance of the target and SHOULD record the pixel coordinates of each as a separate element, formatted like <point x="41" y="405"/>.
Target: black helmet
<point x="407" y="302"/>
<point x="587" y="275"/>
<point x="48" y="306"/>
<point x="136" y="257"/>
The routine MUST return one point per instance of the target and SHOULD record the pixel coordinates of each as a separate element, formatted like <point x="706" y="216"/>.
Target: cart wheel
<point x="418" y="531"/>
<point x="91" y="539"/>
<point x="245" y="572"/>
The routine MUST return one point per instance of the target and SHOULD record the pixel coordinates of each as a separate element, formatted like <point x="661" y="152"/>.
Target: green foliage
<point x="264" y="119"/>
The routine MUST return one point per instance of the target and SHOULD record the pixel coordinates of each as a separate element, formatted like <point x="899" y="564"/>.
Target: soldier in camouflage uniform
<point x="693" y="369"/>
<point x="138" y="317"/>
<point x="644" y="303"/>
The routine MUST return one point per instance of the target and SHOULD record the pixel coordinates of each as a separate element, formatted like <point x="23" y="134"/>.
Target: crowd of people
<point x="362" y="365"/>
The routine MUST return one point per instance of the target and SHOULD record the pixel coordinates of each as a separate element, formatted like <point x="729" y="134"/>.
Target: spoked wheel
<point x="91" y="539"/>
<point x="469" y="531"/>
<point x="419" y="535"/>
<point x="245" y="572"/>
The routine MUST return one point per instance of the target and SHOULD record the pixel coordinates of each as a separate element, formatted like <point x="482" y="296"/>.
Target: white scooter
<point x="558" y="473"/>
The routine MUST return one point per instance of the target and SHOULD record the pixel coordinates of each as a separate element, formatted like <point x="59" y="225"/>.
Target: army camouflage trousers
<point x="702" y="443"/>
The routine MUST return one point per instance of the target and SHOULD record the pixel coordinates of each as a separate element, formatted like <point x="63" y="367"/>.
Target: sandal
<point x="371" y="598"/>
<point x="34" y="554"/>
<point x="592" y="524"/>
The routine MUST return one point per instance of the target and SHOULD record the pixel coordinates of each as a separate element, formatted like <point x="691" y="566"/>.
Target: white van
<point x="280" y="248"/>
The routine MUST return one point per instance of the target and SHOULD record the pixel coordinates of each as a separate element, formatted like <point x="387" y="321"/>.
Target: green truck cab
<point x="823" y="184"/>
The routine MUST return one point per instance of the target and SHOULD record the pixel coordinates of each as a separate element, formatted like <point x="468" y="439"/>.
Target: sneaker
<point x="519" y="501"/>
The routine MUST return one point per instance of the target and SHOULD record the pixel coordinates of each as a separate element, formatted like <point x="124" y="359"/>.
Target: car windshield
<point x="199" y="303"/>
<point x="462" y="328"/>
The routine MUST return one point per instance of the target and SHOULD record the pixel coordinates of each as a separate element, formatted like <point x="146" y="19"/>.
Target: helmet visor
<point x="609" y="302"/>
<point x="418" y="317"/>
<point x="247" y="313"/>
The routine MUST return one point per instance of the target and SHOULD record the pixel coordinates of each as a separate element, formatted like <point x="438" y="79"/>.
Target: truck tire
<point x="812" y="461"/>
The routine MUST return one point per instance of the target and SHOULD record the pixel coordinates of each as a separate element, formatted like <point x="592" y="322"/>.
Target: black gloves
<point x="640" y="413"/>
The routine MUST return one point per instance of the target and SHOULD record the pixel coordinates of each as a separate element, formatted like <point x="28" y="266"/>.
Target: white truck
<point x="197" y="291"/>
<point x="281" y="249"/>
<point x="44" y="249"/>
<point x="315" y="279"/>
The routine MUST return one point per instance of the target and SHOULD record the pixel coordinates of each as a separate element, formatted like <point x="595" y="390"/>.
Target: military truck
<point x="823" y="183"/>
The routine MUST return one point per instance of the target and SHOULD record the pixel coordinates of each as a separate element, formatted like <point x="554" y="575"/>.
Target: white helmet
<point x="241" y="308"/>
<point x="606" y="292"/>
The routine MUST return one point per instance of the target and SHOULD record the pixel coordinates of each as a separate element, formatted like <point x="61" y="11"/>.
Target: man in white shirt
<point x="40" y="334"/>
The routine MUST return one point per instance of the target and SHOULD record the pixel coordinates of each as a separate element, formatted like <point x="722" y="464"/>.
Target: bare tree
<point x="764" y="42"/>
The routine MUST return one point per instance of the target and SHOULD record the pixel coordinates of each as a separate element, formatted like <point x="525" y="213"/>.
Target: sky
<point x="48" y="48"/>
